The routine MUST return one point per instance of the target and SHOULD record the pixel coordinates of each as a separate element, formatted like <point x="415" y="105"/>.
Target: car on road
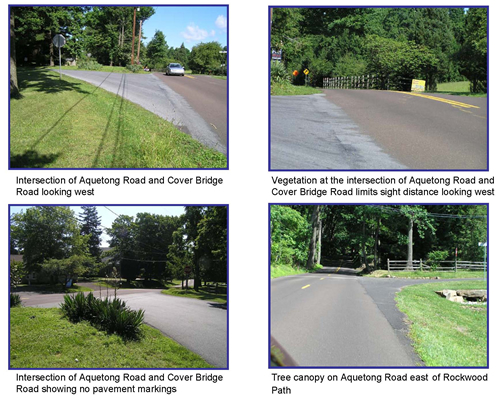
<point x="175" y="69"/>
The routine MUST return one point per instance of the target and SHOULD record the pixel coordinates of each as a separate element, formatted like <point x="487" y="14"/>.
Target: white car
<point x="175" y="69"/>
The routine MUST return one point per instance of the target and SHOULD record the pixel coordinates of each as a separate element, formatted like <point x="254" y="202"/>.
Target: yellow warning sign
<point x="417" y="85"/>
<point x="306" y="71"/>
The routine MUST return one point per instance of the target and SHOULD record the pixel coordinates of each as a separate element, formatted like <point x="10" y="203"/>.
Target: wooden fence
<point x="444" y="266"/>
<point x="374" y="81"/>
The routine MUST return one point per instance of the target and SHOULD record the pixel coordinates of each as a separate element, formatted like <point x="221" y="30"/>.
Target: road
<point x="155" y="95"/>
<point x="200" y="326"/>
<point x="372" y="129"/>
<point x="335" y="319"/>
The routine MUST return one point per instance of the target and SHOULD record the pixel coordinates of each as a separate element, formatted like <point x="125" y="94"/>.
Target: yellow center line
<point x="322" y="279"/>
<point x="425" y="96"/>
<point x="303" y="287"/>
<point x="337" y="269"/>
<point x="189" y="76"/>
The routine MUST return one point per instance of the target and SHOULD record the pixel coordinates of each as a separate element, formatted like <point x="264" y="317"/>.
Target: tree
<point x="90" y="225"/>
<point x="14" y="86"/>
<point x="315" y="232"/>
<point x="157" y="49"/>
<point x="205" y="58"/>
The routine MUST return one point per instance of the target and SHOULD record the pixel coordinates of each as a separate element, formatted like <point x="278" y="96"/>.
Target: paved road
<point x="153" y="94"/>
<point x="207" y="96"/>
<point x="335" y="319"/>
<point x="431" y="132"/>
<point x="200" y="326"/>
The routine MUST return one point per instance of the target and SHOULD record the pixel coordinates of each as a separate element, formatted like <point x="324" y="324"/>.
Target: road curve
<point x="200" y="326"/>
<point x="151" y="93"/>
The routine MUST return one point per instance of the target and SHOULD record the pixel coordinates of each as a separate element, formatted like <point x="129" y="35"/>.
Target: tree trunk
<point x="312" y="242"/>
<point x="14" y="87"/>
<point x="51" y="50"/>
<point x="375" y="247"/>
<point x="363" y="246"/>
<point x="409" y="262"/>
<point x="318" y="252"/>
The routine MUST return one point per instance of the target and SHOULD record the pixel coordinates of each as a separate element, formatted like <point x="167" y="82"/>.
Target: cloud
<point x="221" y="22"/>
<point x="195" y="33"/>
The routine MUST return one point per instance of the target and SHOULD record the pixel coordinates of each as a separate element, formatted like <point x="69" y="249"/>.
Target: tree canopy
<point x="434" y="44"/>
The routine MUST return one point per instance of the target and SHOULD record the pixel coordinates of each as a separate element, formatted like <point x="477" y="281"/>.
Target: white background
<point x="247" y="189"/>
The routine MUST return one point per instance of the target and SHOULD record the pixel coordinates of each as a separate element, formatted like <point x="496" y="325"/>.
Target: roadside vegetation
<point x="381" y="273"/>
<point x="43" y="338"/>
<point x="204" y="293"/>
<point x="51" y="288"/>
<point x="104" y="68"/>
<point x="281" y="82"/>
<point x="72" y="124"/>
<point x="457" y="89"/>
<point x="278" y="270"/>
<point x="445" y="333"/>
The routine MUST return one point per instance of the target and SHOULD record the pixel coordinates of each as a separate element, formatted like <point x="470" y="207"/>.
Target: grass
<point x="203" y="294"/>
<point x="457" y="89"/>
<point x="105" y="68"/>
<point x="278" y="270"/>
<point x="73" y="124"/>
<point x="41" y="288"/>
<point x="287" y="89"/>
<point x="42" y="338"/>
<point x="137" y="284"/>
<point x="445" y="333"/>
<point x="425" y="274"/>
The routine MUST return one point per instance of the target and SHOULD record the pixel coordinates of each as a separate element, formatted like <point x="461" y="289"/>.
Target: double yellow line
<point x="442" y="100"/>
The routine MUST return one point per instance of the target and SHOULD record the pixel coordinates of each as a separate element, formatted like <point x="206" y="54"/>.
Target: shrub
<point x="15" y="300"/>
<point x="279" y="73"/>
<point x="91" y="65"/>
<point x="111" y="316"/>
<point x="135" y="68"/>
<point x="435" y="257"/>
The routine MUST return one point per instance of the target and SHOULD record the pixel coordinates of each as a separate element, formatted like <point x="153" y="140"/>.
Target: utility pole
<point x="139" y="42"/>
<point x="133" y="36"/>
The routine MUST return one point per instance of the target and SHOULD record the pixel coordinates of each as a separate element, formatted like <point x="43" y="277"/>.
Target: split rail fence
<point x="375" y="81"/>
<point x="445" y="266"/>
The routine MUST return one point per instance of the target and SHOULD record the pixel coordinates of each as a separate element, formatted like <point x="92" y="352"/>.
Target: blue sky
<point x="108" y="214"/>
<point x="188" y="25"/>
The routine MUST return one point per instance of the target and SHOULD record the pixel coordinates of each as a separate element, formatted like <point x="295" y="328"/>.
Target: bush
<point x="279" y="73"/>
<point x="111" y="316"/>
<point x="135" y="68"/>
<point x="91" y="65"/>
<point x="15" y="300"/>
<point x="435" y="257"/>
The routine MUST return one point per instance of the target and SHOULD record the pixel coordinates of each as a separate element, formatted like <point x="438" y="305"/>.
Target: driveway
<point x="151" y="93"/>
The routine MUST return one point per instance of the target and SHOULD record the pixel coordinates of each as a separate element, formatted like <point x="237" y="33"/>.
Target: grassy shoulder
<point x="445" y="333"/>
<point x="456" y="89"/>
<point x="42" y="338"/>
<point x="105" y="68"/>
<point x="278" y="270"/>
<point x="380" y="273"/>
<point x="51" y="288"/>
<point x="287" y="89"/>
<point x="203" y="294"/>
<point x="73" y="124"/>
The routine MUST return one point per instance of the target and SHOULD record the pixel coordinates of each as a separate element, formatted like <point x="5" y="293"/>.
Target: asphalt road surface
<point x="155" y="95"/>
<point x="335" y="319"/>
<point x="200" y="326"/>
<point x="207" y="96"/>
<point x="373" y="129"/>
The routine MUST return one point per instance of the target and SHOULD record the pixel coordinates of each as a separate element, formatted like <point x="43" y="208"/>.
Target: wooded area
<point x="57" y="246"/>
<point x="100" y="35"/>
<point x="306" y="235"/>
<point x="433" y="44"/>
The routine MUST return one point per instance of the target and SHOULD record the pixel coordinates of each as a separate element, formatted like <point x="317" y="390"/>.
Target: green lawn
<point x="287" y="89"/>
<point x="105" y="68"/>
<point x="278" y="270"/>
<point x="445" y="333"/>
<point x="43" y="338"/>
<point x="51" y="288"/>
<point x="425" y="274"/>
<point x="456" y="88"/>
<point x="203" y="294"/>
<point x="73" y="124"/>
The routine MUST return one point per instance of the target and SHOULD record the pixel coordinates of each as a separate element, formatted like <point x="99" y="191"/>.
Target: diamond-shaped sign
<point x="306" y="71"/>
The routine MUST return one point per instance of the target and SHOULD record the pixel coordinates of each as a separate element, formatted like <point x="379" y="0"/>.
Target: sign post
<point x="485" y="245"/>
<point x="59" y="41"/>
<point x="187" y="271"/>
<point x="306" y="71"/>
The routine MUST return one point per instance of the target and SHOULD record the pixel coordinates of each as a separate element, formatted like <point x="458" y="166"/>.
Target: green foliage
<point x="434" y="257"/>
<point x="90" y="226"/>
<point x="134" y="68"/>
<point x="15" y="300"/>
<point x="157" y="50"/>
<point x="206" y="59"/>
<point x="110" y="315"/>
<point x="89" y="64"/>
<point x="17" y="273"/>
<point x="289" y="236"/>
<point x="279" y="74"/>
<point x="69" y="268"/>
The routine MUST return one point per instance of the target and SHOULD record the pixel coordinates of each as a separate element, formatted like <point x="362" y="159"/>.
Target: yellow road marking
<point x="452" y="102"/>
<point x="189" y="76"/>
<point x="337" y="269"/>
<point x="329" y="274"/>
<point x="303" y="287"/>
<point x="322" y="279"/>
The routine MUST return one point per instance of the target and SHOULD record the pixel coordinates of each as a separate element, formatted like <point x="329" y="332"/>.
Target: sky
<point x="188" y="25"/>
<point x="108" y="214"/>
